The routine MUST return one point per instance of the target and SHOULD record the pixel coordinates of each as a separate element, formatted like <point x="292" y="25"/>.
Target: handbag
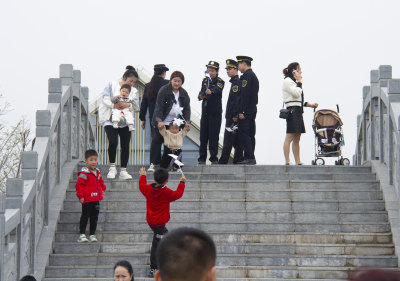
<point x="285" y="113"/>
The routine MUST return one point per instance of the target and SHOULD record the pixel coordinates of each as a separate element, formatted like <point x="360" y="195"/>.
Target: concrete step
<point x="242" y="227"/>
<point x="270" y="194"/>
<point x="245" y="237"/>
<point x="232" y="248"/>
<point x="234" y="216"/>
<point x="241" y="204"/>
<point x="328" y="263"/>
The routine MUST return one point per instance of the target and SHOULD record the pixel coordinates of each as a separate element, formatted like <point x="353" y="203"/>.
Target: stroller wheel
<point x="345" y="162"/>
<point x="319" y="162"/>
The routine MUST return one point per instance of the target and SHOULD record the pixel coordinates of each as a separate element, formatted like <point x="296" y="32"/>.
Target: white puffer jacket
<point x="105" y="108"/>
<point x="291" y="93"/>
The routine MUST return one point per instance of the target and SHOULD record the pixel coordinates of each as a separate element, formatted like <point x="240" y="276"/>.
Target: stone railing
<point x="27" y="212"/>
<point x="378" y="125"/>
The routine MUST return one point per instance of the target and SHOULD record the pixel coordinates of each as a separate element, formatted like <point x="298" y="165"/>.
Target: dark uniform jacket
<point x="232" y="106"/>
<point x="165" y="100"/>
<point x="213" y="102"/>
<point x="249" y="94"/>
<point x="151" y="104"/>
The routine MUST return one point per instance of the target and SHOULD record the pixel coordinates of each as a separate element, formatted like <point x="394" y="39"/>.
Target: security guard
<point x="211" y="112"/>
<point x="231" y="116"/>
<point x="248" y="109"/>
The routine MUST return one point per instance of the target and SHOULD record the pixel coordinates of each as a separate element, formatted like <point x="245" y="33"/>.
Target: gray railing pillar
<point x="375" y="89"/>
<point x="85" y="95"/>
<point x="55" y="92"/>
<point x="2" y="235"/>
<point x="366" y="91"/>
<point x="29" y="171"/>
<point x="385" y="73"/>
<point x="394" y="98"/>
<point x="14" y="193"/>
<point x="43" y="123"/>
<point x="66" y="75"/>
<point x="77" y="108"/>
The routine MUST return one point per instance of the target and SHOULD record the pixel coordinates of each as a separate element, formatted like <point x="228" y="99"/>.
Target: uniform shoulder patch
<point x="244" y="83"/>
<point x="220" y="85"/>
<point x="235" y="88"/>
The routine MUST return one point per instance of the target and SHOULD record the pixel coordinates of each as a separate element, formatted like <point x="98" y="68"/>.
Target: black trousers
<point x="159" y="232"/>
<point x="89" y="210"/>
<point x="124" y="137"/>
<point x="155" y="147"/>
<point x="166" y="159"/>
<point x="210" y="125"/>
<point x="231" y="140"/>
<point x="247" y="132"/>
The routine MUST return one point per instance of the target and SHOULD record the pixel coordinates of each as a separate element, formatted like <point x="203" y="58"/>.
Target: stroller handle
<point x="337" y="106"/>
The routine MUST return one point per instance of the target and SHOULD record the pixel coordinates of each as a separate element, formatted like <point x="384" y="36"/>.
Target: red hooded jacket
<point x="157" y="201"/>
<point x="89" y="186"/>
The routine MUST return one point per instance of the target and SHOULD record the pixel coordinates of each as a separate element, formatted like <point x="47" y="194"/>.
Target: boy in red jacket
<point x="89" y="189"/>
<point x="158" y="197"/>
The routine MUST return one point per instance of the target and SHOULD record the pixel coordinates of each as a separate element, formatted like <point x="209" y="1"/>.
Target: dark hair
<point x="160" y="175"/>
<point x="127" y="265"/>
<point x="375" y="275"/>
<point x="90" y="152"/>
<point x="28" y="278"/>
<point x="288" y="71"/>
<point x="153" y="86"/>
<point x="185" y="254"/>
<point x="126" y="86"/>
<point x="177" y="74"/>
<point x="247" y="62"/>
<point x="130" y="71"/>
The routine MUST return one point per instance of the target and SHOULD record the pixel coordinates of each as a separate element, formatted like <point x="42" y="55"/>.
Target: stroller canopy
<point x="326" y="118"/>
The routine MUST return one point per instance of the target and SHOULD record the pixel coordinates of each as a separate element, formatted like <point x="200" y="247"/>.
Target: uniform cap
<point x="230" y="63"/>
<point x="213" y="64"/>
<point x="243" y="58"/>
<point x="160" y="67"/>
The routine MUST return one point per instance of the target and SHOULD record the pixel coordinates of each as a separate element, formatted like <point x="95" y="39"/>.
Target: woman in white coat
<point x="112" y="89"/>
<point x="293" y="97"/>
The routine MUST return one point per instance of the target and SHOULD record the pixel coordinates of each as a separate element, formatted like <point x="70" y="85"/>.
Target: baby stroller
<point x="327" y="127"/>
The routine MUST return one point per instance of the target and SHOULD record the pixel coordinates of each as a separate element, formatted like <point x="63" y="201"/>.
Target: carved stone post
<point x="375" y="89"/>
<point x="394" y="98"/>
<point x="77" y="108"/>
<point x="366" y="91"/>
<point x="2" y="234"/>
<point x="15" y="192"/>
<point x="66" y="75"/>
<point x="385" y="73"/>
<point x="29" y="172"/>
<point x="55" y="92"/>
<point x="85" y="102"/>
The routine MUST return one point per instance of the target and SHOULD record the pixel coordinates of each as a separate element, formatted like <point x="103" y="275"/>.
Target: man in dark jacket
<point x="248" y="109"/>
<point x="149" y="102"/>
<point x="231" y="116"/>
<point x="211" y="113"/>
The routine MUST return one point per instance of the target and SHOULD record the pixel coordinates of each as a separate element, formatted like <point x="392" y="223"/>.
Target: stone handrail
<point x="378" y="125"/>
<point x="63" y="132"/>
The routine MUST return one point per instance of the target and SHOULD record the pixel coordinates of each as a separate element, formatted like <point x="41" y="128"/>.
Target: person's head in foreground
<point x="375" y="275"/>
<point x="123" y="271"/>
<point x="28" y="278"/>
<point x="186" y="254"/>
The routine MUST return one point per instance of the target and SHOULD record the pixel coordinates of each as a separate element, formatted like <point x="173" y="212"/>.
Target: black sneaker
<point x="151" y="272"/>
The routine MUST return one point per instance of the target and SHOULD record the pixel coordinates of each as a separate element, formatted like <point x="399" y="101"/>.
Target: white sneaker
<point x="112" y="173"/>
<point x="92" y="238"/>
<point x="123" y="175"/>
<point x="151" y="168"/>
<point x="82" y="238"/>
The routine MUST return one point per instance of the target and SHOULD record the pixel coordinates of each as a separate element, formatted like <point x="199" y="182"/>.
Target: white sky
<point x="337" y="43"/>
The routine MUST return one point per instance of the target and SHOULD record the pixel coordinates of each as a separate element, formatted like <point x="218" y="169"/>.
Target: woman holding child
<point x="106" y="107"/>
<point x="172" y="103"/>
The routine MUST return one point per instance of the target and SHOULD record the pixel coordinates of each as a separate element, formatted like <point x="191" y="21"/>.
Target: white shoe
<point x="151" y="168"/>
<point x="92" y="238"/>
<point x="112" y="173"/>
<point x="82" y="238"/>
<point x="123" y="175"/>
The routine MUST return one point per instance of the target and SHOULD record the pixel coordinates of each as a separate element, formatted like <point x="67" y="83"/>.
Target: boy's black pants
<point x="89" y="210"/>
<point x="159" y="232"/>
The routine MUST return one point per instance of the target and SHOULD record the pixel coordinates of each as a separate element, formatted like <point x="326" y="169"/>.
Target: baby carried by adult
<point x="126" y="113"/>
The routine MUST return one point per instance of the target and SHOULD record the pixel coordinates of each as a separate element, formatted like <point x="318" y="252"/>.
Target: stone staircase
<point x="269" y="223"/>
